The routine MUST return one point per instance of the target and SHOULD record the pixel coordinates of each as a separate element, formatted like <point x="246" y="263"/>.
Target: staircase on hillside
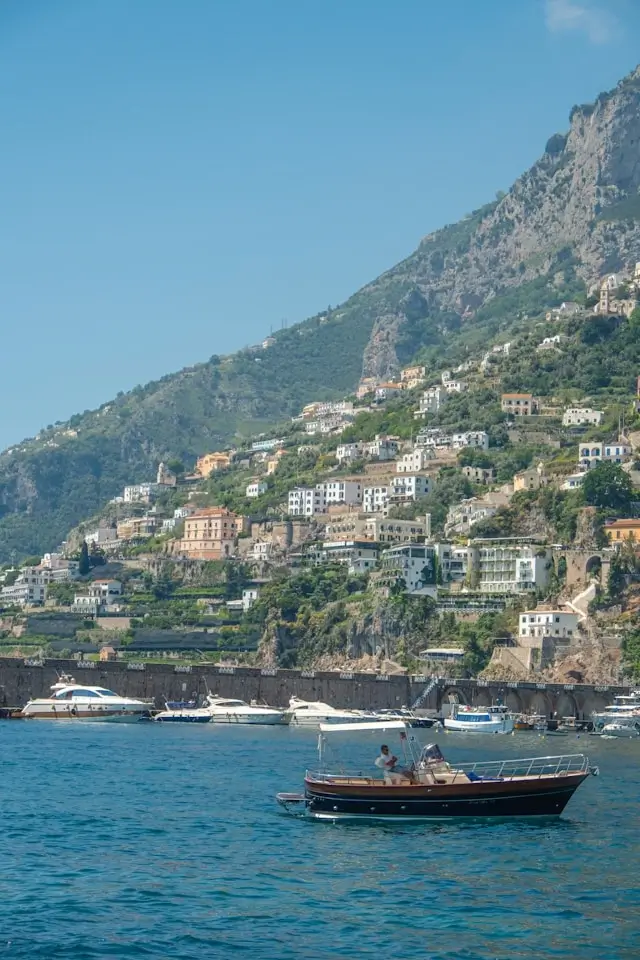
<point x="425" y="693"/>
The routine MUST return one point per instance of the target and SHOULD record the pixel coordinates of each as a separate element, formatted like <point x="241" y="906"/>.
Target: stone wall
<point x="22" y="680"/>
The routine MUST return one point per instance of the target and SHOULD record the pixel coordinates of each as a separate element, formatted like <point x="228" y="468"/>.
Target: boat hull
<point x="531" y="797"/>
<point x="88" y="716"/>
<point x="255" y="719"/>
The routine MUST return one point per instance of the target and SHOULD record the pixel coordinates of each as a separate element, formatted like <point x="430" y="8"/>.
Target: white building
<point x="574" y="481"/>
<point x="590" y="454"/>
<point x="385" y="530"/>
<point x="509" y="565"/>
<point x="29" y="589"/>
<point x="461" y="517"/>
<point x="414" y="565"/>
<point x="255" y="489"/>
<point x="249" y="597"/>
<point x="577" y="416"/>
<point x="382" y="448"/>
<point x="102" y="534"/>
<point x="431" y="401"/>
<point x="375" y="499"/>
<point x="415" y="461"/>
<point x="325" y="426"/>
<point x="305" y="501"/>
<point x="387" y="390"/>
<point x="472" y="438"/>
<point x="548" y="623"/>
<point x="140" y="492"/>
<point x="456" y="386"/>
<point x="267" y="444"/>
<point x="168" y="525"/>
<point x="106" y="591"/>
<point x="60" y="568"/>
<point x="348" y="492"/>
<point x="348" y="452"/>
<point x="410" y="486"/>
<point x="359" y="555"/>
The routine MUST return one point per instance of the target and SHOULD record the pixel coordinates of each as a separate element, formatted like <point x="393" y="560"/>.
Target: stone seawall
<point x="22" y="680"/>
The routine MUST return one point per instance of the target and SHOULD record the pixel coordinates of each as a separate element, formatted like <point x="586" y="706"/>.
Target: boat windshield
<point x="230" y="703"/>
<point x="105" y="693"/>
<point x="71" y="692"/>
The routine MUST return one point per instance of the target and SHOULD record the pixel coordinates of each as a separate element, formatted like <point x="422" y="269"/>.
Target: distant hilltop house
<point x="595" y="452"/>
<point x="413" y="376"/>
<point x="617" y="294"/>
<point x="210" y="534"/>
<point x="519" y="404"/>
<point x="268" y="342"/>
<point x="551" y="343"/>
<point x="212" y="462"/>
<point x="619" y="530"/>
<point x="531" y="479"/>
<point x="566" y="309"/>
<point x="386" y="391"/>
<point x="431" y="401"/>
<point x="256" y="488"/>
<point x="366" y="386"/>
<point x="581" y="416"/>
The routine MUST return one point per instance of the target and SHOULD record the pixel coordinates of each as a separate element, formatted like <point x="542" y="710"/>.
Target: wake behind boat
<point x="426" y="786"/>
<point x="70" y="701"/>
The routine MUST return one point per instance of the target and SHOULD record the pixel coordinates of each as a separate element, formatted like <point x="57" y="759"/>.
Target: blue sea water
<point x="153" y="841"/>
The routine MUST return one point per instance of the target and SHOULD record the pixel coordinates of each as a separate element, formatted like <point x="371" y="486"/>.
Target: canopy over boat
<point x="374" y="725"/>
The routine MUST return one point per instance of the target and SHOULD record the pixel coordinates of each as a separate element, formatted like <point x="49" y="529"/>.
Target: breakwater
<point x="21" y="680"/>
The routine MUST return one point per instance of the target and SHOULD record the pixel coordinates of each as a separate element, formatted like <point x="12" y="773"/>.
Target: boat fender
<point x="594" y="771"/>
<point x="74" y="711"/>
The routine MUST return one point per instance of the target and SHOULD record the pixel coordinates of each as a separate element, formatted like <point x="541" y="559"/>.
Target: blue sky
<point x="178" y="177"/>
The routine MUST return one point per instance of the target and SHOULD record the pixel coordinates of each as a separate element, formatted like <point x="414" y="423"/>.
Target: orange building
<point x="619" y="530"/>
<point x="211" y="462"/>
<point x="210" y="534"/>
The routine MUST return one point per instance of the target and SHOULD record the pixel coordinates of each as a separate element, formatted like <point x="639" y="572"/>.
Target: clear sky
<point x="179" y="175"/>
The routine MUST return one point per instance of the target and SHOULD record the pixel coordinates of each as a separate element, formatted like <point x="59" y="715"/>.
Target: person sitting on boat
<point x="387" y="762"/>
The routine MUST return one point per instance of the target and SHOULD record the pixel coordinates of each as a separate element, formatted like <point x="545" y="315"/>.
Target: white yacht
<point x="479" y="720"/>
<point x="621" y="728"/>
<point x="309" y="713"/>
<point x="71" y="701"/>
<point x="222" y="710"/>
<point x="624" y="711"/>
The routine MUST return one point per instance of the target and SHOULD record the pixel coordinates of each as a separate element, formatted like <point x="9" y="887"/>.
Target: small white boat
<point x="620" y="728"/>
<point x="625" y="710"/>
<point x="71" y="701"/>
<point x="184" y="715"/>
<point x="311" y="713"/>
<point x="479" y="720"/>
<point x="223" y="710"/>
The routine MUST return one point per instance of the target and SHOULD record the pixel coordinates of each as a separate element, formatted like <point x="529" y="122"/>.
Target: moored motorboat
<point x="428" y="787"/>
<point x="225" y="710"/>
<point x="410" y="718"/>
<point x="183" y="715"/>
<point x="625" y="709"/>
<point x="71" y="701"/>
<point x="494" y="719"/>
<point x="311" y="713"/>
<point x="623" y="728"/>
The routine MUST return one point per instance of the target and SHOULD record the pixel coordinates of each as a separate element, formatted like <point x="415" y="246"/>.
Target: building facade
<point x="518" y="404"/>
<point x="210" y="534"/>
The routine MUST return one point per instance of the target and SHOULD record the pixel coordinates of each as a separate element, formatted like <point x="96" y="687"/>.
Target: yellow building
<point x="211" y="462"/>
<point x="619" y="530"/>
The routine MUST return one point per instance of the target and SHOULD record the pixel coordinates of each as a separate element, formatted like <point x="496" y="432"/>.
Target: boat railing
<point x="527" y="767"/>
<point x="488" y="769"/>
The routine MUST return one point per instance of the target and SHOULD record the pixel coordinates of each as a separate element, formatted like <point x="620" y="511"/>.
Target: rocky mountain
<point x="574" y="215"/>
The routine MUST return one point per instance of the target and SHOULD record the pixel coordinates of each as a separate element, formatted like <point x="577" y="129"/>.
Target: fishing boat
<point x="427" y="786"/>
<point x="493" y="719"/>
<point x="311" y="713"/>
<point x="70" y="701"/>
<point x="409" y="717"/>
<point x="224" y="710"/>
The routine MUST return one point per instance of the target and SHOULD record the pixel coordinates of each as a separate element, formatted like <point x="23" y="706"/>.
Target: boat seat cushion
<point x="475" y="778"/>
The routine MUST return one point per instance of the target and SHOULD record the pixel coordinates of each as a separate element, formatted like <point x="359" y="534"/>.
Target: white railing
<point x="528" y="767"/>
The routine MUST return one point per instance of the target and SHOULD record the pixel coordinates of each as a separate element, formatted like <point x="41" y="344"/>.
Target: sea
<point x="165" y="841"/>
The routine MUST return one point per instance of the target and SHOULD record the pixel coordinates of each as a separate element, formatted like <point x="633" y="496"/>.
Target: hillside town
<point x="336" y="488"/>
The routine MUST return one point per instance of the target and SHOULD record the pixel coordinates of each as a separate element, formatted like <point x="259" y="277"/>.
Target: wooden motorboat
<point x="429" y="787"/>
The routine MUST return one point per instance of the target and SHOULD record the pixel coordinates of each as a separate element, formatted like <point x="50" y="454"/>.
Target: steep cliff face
<point x="576" y="212"/>
<point x="578" y="202"/>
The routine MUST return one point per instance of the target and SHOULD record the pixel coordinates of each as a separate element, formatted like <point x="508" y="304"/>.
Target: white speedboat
<point x="311" y="713"/>
<point x="625" y="709"/>
<point x="621" y="728"/>
<point x="479" y="720"/>
<point x="71" y="701"/>
<point x="183" y="715"/>
<point x="222" y="710"/>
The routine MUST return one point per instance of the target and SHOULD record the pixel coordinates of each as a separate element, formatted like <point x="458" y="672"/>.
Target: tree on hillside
<point x="608" y="486"/>
<point x="85" y="564"/>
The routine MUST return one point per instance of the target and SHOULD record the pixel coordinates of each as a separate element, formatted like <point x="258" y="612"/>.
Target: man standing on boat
<point x="387" y="762"/>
